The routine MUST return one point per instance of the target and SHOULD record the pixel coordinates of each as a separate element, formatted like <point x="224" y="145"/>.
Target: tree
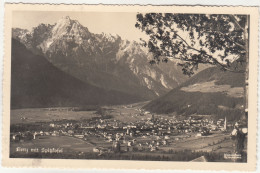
<point x="193" y="39"/>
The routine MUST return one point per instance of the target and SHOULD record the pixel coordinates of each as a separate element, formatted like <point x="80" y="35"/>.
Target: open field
<point x="214" y="142"/>
<point x="123" y="113"/>
<point x="217" y="142"/>
<point x="128" y="113"/>
<point x="69" y="144"/>
<point x="47" y="115"/>
<point x="207" y="87"/>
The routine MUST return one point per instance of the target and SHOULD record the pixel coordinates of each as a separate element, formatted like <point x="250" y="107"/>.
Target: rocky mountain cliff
<point x="102" y="60"/>
<point x="35" y="82"/>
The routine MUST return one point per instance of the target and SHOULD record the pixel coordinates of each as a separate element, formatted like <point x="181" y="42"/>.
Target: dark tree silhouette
<point x="193" y="39"/>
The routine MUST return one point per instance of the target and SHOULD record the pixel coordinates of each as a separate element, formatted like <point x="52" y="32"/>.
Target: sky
<point x="121" y="23"/>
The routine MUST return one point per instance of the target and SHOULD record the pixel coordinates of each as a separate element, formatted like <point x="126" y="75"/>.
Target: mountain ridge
<point x="104" y="60"/>
<point x="210" y="92"/>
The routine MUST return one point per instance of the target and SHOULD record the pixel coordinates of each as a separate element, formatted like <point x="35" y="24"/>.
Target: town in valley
<point x="118" y="130"/>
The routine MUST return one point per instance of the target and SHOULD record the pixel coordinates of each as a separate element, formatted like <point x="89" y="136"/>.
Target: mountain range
<point x="102" y="60"/>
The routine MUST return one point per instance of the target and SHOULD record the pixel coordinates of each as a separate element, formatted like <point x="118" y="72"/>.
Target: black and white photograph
<point x="139" y="86"/>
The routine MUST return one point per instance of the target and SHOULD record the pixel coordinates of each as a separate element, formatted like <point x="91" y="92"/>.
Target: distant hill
<point x="35" y="82"/>
<point x="210" y="92"/>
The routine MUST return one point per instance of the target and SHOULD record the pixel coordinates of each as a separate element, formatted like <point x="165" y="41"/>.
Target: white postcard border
<point x="116" y="164"/>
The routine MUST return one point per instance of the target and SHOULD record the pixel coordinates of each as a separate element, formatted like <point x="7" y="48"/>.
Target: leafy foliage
<point x="215" y="39"/>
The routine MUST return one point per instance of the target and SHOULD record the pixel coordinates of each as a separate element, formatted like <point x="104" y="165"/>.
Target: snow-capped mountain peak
<point x="110" y="37"/>
<point x="69" y="27"/>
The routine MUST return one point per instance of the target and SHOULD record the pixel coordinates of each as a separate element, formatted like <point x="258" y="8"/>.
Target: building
<point x="116" y="146"/>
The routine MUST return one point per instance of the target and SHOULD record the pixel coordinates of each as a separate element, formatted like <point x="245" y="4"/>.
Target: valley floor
<point x="116" y="132"/>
